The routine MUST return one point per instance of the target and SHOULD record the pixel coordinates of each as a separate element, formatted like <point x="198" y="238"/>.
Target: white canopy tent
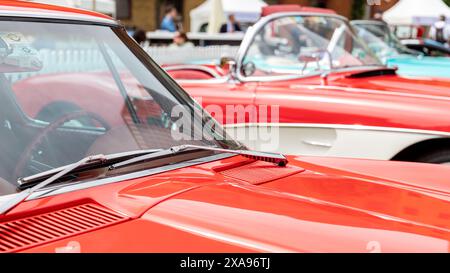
<point x="102" y="6"/>
<point x="416" y="12"/>
<point x="245" y="11"/>
<point x="216" y="16"/>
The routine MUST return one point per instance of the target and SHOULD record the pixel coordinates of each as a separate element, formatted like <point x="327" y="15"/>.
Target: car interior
<point x="42" y="129"/>
<point x="66" y="95"/>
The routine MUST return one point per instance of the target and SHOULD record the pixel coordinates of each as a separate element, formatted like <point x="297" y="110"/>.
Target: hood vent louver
<point x="259" y="172"/>
<point x="32" y="231"/>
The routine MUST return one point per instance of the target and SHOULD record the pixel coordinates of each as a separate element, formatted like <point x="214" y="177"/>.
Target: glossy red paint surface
<point x="385" y="101"/>
<point x="318" y="204"/>
<point x="37" y="8"/>
<point x="381" y="101"/>
<point x="325" y="205"/>
<point x="271" y="9"/>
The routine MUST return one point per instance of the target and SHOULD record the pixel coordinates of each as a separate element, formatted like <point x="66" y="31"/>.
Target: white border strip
<point x="338" y="126"/>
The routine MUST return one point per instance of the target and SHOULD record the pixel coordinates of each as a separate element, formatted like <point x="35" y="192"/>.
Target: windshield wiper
<point x="111" y="159"/>
<point x="114" y="161"/>
<point x="100" y="160"/>
<point x="23" y="195"/>
<point x="275" y="158"/>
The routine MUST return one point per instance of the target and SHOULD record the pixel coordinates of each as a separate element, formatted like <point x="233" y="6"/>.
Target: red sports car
<point x="334" y="97"/>
<point x="123" y="174"/>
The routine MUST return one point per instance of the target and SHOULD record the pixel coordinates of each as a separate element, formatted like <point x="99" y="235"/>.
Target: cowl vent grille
<point x="260" y="172"/>
<point x="29" y="232"/>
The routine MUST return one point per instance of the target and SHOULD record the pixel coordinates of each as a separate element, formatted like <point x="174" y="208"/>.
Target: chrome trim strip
<point x="208" y="81"/>
<point x="57" y="15"/>
<point x="370" y="91"/>
<point x="206" y="69"/>
<point x="334" y="40"/>
<point x="280" y="77"/>
<point x="412" y="42"/>
<point x="368" y="22"/>
<point x="339" y="126"/>
<point x="51" y="191"/>
<point x="317" y="143"/>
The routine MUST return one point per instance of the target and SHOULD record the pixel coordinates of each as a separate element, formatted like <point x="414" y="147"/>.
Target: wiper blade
<point x="23" y="195"/>
<point x="23" y="182"/>
<point x="275" y="158"/>
<point x="96" y="160"/>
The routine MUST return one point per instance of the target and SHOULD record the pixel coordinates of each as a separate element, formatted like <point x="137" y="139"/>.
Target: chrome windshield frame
<point x="255" y="29"/>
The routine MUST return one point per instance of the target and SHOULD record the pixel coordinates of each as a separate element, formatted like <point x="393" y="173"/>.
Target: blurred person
<point x="231" y="26"/>
<point x="440" y="31"/>
<point x="378" y="16"/>
<point x="420" y="31"/>
<point x="140" y="36"/>
<point x="180" y="40"/>
<point x="168" y="22"/>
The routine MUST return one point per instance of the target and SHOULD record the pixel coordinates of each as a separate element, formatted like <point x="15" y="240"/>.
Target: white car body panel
<point x="329" y="139"/>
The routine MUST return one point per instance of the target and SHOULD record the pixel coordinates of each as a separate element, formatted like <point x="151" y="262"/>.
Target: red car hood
<point x="313" y="205"/>
<point x="413" y="86"/>
<point x="383" y="101"/>
<point x="420" y="87"/>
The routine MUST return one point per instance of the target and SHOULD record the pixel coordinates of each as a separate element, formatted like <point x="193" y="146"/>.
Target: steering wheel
<point x="37" y="141"/>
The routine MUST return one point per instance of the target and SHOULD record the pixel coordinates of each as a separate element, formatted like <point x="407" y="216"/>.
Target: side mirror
<point x="17" y="54"/>
<point x="228" y="64"/>
<point x="248" y="69"/>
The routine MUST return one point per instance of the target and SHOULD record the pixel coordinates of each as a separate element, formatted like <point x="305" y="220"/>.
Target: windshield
<point x="381" y="41"/>
<point x="304" y="45"/>
<point x="72" y="90"/>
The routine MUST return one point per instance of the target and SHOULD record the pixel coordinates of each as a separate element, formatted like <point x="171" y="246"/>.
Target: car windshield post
<point x="118" y="81"/>
<point x="201" y="119"/>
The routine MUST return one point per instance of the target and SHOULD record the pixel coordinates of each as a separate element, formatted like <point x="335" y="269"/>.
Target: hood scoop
<point x="259" y="172"/>
<point x="32" y="231"/>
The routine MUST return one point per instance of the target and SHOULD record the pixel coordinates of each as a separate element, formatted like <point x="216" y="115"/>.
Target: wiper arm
<point x="23" y="195"/>
<point x="113" y="158"/>
<point x="278" y="159"/>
